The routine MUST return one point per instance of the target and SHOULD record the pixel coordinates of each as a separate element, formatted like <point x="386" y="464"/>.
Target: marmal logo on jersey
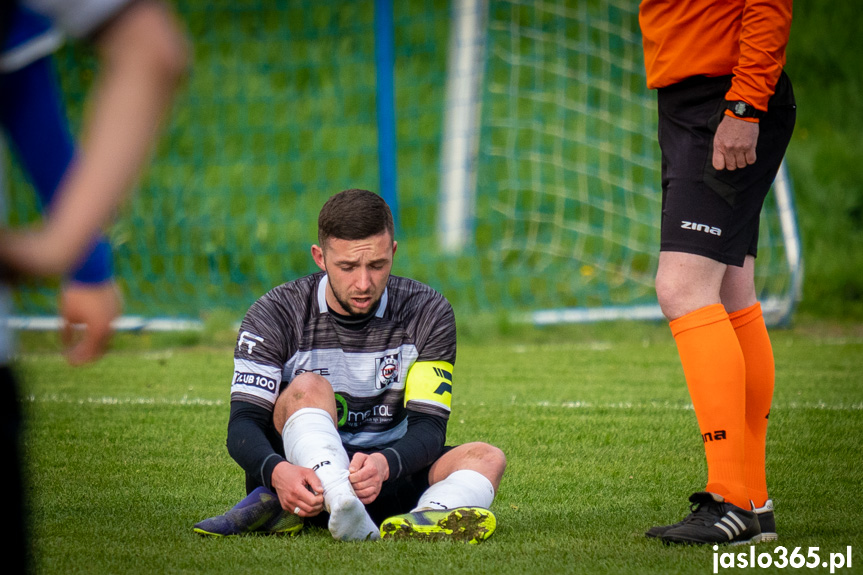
<point x="387" y="368"/>
<point x="250" y="340"/>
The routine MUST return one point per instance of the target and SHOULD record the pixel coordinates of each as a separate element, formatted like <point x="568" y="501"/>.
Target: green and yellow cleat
<point x="466" y="524"/>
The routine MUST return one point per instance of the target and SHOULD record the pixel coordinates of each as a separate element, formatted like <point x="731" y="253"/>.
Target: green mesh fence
<point x="278" y="113"/>
<point x="569" y="166"/>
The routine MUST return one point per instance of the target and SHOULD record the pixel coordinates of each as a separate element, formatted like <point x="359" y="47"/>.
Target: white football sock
<point x="311" y="440"/>
<point x="462" y="488"/>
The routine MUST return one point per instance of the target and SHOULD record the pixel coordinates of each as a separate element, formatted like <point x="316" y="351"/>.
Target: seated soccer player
<point x="340" y="398"/>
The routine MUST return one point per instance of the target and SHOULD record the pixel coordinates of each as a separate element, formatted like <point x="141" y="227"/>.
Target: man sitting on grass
<point x="340" y="398"/>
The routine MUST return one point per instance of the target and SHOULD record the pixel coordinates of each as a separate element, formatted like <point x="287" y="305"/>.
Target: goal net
<point x="525" y="147"/>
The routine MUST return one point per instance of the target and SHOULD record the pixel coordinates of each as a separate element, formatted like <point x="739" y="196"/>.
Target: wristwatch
<point x="743" y="110"/>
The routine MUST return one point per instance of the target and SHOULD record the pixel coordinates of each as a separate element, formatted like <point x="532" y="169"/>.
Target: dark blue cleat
<point x="259" y="512"/>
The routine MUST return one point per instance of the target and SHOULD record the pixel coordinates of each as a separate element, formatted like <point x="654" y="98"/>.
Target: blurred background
<point x="515" y="142"/>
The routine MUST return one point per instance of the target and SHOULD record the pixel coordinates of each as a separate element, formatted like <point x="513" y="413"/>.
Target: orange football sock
<point x="760" y="375"/>
<point x="715" y="375"/>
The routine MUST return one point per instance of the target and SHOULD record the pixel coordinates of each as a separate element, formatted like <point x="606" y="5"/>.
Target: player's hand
<point x="299" y="489"/>
<point x="367" y="475"/>
<point x="734" y="144"/>
<point x="93" y="307"/>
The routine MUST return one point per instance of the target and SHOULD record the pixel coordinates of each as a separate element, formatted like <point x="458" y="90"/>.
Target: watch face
<point x="739" y="109"/>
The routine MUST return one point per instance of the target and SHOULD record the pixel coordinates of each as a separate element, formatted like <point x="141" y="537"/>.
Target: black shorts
<point x="704" y="211"/>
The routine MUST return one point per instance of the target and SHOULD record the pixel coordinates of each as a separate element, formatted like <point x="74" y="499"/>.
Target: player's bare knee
<point x="308" y="384"/>
<point x="486" y="459"/>
<point x="306" y="390"/>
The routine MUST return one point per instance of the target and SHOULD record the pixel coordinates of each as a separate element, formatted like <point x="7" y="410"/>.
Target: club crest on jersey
<point x="387" y="368"/>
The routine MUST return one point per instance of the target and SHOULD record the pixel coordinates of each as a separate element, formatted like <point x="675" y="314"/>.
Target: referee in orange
<point x="726" y="114"/>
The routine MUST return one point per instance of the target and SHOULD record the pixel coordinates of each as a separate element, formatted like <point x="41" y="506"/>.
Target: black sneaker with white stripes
<point x="713" y="520"/>
<point x="767" y="521"/>
<point x="659" y="530"/>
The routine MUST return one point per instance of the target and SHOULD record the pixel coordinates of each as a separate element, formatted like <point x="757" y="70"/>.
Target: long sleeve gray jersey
<point x="399" y="361"/>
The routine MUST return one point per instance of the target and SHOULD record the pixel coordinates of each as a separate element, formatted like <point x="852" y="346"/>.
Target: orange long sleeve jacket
<point x="744" y="38"/>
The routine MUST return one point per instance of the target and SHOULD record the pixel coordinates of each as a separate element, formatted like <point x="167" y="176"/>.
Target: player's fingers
<point x="357" y="462"/>
<point x="740" y="158"/>
<point x="304" y="509"/>
<point x="731" y="161"/>
<point x="91" y="347"/>
<point x="315" y="488"/>
<point x="67" y="334"/>
<point x="718" y="159"/>
<point x="363" y="475"/>
<point x="307" y="502"/>
<point x="366" y="494"/>
<point x="750" y="156"/>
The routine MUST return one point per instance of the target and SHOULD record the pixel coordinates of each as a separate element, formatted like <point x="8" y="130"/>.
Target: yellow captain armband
<point x="428" y="387"/>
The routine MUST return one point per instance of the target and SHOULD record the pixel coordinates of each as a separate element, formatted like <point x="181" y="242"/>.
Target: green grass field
<point x="126" y="455"/>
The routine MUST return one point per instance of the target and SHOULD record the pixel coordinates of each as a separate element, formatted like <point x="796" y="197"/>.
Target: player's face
<point x="358" y="271"/>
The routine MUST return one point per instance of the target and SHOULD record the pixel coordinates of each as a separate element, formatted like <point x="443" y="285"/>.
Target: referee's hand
<point x="734" y="144"/>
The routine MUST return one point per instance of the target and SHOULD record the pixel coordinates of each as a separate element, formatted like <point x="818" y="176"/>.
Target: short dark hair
<point x="354" y="215"/>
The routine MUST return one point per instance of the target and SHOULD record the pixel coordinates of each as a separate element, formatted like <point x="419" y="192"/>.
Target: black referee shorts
<point x="704" y="211"/>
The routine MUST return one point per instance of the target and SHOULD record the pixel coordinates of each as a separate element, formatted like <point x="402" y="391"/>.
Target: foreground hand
<point x="93" y="306"/>
<point x="298" y="487"/>
<point x="367" y="474"/>
<point x="734" y="144"/>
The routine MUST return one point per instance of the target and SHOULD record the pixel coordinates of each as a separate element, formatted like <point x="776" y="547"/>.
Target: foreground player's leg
<point x="311" y="440"/>
<point x="258" y="512"/>
<point x="457" y="506"/>
<point x="760" y="374"/>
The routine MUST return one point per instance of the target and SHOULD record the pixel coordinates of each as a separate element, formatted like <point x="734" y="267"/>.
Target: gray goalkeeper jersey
<point x="290" y="331"/>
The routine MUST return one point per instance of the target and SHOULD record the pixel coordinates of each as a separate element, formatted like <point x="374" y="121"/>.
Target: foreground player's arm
<point x="766" y="25"/>
<point x="143" y="56"/>
<point x="33" y="117"/>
